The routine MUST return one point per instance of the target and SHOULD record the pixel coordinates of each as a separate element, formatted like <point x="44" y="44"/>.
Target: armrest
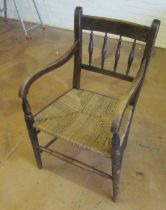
<point x="23" y="92"/>
<point x="127" y="97"/>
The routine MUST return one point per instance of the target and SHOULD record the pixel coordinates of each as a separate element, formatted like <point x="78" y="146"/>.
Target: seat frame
<point x="122" y="28"/>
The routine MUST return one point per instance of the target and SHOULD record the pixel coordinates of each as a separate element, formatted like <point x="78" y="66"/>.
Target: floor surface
<point x="59" y="185"/>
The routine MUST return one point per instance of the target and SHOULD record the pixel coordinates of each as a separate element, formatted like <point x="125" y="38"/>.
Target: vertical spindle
<point x="117" y="53"/>
<point x="90" y="49"/>
<point x="104" y="51"/>
<point x="131" y="57"/>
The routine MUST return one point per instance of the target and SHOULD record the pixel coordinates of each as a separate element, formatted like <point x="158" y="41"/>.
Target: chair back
<point x="108" y="26"/>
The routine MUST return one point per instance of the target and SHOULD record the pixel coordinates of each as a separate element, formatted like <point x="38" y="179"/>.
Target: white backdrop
<point x="59" y="13"/>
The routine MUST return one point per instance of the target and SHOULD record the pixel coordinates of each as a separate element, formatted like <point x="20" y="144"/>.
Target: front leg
<point x="34" y="139"/>
<point x="116" y="166"/>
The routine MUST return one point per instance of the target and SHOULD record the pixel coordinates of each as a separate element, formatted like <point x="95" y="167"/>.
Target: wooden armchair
<point x="93" y="121"/>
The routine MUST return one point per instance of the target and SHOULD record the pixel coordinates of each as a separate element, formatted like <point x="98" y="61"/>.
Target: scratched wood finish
<point x="78" y="52"/>
<point x="107" y="72"/>
<point x="118" y="27"/>
<point x="129" y="99"/>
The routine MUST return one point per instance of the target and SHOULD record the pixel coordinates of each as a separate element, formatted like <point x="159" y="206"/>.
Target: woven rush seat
<point x="81" y="117"/>
<point x="90" y="120"/>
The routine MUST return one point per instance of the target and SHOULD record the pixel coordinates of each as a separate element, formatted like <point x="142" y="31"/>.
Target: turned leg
<point x="116" y="166"/>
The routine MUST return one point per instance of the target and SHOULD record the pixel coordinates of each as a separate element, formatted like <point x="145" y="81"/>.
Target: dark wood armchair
<point x="93" y="121"/>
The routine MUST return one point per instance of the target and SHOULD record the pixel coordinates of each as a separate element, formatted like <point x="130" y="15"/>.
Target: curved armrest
<point x="127" y="97"/>
<point x="23" y="92"/>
